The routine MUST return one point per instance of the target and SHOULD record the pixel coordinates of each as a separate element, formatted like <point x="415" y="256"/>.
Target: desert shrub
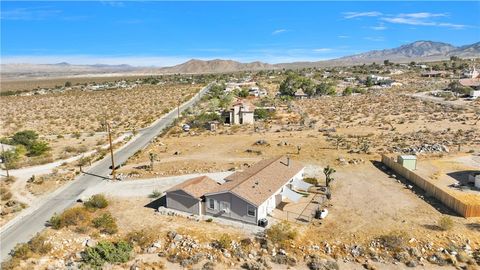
<point x="155" y="194"/>
<point x="21" y="251"/>
<point x="224" y="241"/>
<point x="445" y="223"/>
<point x="142" y="238"/>
<point x="38" y="148"/>
<point x="105" y="223"/>
<point x="311" y="180"/>
<point x="39" y="245"/>
<point x="107" y="252"/>
<point x="70" y="217"/>
<point x="260" y="114"/>
<point x="5" y="194"/>
<point x="96" y="202"/>
<point x="394" y="241"/>
<point x="281" y="232"/>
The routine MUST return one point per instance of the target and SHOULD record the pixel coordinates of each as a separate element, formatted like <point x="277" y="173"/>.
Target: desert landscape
<point x="207" y="135"/>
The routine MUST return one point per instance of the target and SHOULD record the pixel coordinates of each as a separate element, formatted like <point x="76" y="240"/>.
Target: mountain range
<point x="423" y="51"/>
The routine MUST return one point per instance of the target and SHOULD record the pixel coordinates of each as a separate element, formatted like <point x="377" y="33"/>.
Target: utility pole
<point x="5" y="161"/>
<point x="178" y="110"/>
<point x="111" y="150"/>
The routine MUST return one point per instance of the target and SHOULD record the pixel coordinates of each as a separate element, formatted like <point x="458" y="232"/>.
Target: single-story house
<point x="247" y="196"/>
<point x="241" y="113"/>
<point x="188" y="196"/>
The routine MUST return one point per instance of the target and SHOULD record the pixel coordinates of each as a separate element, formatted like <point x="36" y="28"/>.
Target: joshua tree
<point x="328" y="171"/>
<point x="152" y="157"/>
<point x="298" y="149"/>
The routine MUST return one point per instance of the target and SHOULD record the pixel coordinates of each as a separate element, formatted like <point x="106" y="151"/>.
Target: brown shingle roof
<point x="470" y="82"/>
<point x="197" y="186"/>
<point x="258" y="183"/>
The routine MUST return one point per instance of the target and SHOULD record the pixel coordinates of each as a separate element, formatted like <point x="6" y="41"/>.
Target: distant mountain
<point x="416" y="51"/>
<point x="214" y="66"/>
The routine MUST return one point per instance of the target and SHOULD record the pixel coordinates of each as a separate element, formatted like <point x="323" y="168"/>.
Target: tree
<point x="289" y="86"/>
<point x="386" y="62"/>
<point x="328" y="171"/>
<point x="152" y="157"/>
<point x="25" y="137"/>
<point x="38" y="148"/>
<point x="68" y="84"/>
<point x="456" y="87"/>
<point x="325" y="88"/>
<point x="243" y="93"/>
<point x="369" y="81"/>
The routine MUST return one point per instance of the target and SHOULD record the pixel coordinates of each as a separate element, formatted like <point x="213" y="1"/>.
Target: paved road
<point x="23" y="229"/>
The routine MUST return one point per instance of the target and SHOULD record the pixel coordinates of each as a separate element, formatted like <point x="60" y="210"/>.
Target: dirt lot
<point x="84" y="111"/>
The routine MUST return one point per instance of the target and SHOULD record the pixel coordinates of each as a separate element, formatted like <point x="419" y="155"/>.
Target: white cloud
<point x="279" y="31"/>
<point x="379" y="27"/>
<point x="343" y="36"/>
<point x="376" y="39"/>
<point x="422" y="19"/>
<point x="351" y="15"/>
<point x="323" y="50"/>
<point x="29" y="14"/>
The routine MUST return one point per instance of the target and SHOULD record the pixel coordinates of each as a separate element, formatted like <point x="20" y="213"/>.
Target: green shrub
<point x="96" y="202"/>
<point x="107" y="252"/>
<point x="70" y="217"/>
<point x="281" y="232"/>
<point x="5" y="194"/>
<point x="21" y="251"/>
<point x="105" y="223"/>
<point x="39" y="245"/>
<point x="224" y="241"/>
<point x="38" y="148"/>
<point x="142" y="238"/>
<point x="445" y="223"/>
<point x="155" y="194"/>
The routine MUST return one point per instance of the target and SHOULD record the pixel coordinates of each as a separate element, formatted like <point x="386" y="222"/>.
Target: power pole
<point x="5" y="161"/>
<point x="111" y="150"/>
<point x="178" y="110"/>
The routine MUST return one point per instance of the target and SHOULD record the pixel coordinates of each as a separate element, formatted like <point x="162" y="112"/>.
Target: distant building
<point x="471" y="74"/>
<point x="300" y="94"/>
<point x="435" y="73"/>
<point x="240" y="114"/>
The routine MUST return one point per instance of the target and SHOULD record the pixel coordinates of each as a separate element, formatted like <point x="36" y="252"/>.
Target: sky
<point x="168" y="33"/>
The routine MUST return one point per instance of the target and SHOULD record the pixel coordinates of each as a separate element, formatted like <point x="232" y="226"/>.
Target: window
<point x="251" y="211"/>
<point x="211" y="203"/>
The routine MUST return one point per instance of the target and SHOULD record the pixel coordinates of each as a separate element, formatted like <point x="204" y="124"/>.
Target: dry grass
<point x="84" y="111"/>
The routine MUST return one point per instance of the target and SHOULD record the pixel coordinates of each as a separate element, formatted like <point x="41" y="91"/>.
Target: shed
<point x="408" y="161"/>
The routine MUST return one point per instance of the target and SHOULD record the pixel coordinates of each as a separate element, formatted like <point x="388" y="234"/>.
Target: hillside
<point x="215" y="66"/>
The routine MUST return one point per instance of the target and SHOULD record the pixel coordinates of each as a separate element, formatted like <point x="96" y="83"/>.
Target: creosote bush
<point x="224" y="241"/>
<point x="281" y="232"/>
<point x="445" y="223"/>
<point x="97" y="201"/>
<point x="70" y="217"/>
<point x="142" y="238"/>
<point x="105" y="223"/>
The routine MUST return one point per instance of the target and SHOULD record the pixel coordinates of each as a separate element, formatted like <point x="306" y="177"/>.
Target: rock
<point x="282" y="252"/>
<point x="411" y="263"/>
<point x="178" y="237"/>
<point x="284" y="259"/>
<point x="90" y="243"/>
<point x="252" y="265"/>
<point x="208" y="266"/>
<point x="151" y="250"/>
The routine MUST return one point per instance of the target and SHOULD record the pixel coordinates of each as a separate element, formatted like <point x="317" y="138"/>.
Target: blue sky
<point x="167" y="33"/>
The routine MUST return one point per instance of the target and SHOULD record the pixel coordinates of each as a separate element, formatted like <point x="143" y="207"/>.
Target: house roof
<point x="300" y="92"/>
<point x="470" y="82"/>
<point x="196" y="187"/>
<point x="258" y="183"/>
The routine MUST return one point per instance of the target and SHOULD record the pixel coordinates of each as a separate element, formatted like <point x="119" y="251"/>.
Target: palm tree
<point x="328" y="171"/>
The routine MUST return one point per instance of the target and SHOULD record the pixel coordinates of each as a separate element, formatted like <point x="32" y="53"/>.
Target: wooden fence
<point x="465" y="207"/>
